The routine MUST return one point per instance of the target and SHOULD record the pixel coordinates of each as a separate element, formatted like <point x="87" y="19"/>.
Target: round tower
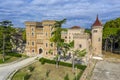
<point x="97" y="37"/>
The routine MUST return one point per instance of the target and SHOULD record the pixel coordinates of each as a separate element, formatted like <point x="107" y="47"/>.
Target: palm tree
<point x="78" y="53"/>
<point x="66" y="47"/>
<point x="56" y="38"/>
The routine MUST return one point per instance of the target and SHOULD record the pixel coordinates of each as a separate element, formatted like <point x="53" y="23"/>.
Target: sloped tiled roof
<point x="97" y="22"/>
<point x="75" y="27"/>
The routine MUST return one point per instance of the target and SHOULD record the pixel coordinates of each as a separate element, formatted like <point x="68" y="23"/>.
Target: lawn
<point x="8" y="59"/>
<point x="46" y="72"/>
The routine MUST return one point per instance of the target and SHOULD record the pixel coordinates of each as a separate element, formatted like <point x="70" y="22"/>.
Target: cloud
<point x="77" y="12"/>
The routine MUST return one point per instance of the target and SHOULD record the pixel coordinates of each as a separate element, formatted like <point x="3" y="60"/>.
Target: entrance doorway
<point x="40" y="51"/>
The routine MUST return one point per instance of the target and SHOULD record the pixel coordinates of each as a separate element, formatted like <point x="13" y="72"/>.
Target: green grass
<point x="8" y="59"/>
<point x="45" y="72"/>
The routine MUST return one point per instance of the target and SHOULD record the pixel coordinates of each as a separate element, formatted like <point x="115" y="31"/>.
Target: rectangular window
<point x="33" y="43"/>
<point x="28" y="43"/>
<point x="69" y="37"/>
<point x="33" y="50"/>
<point x="80" y="46"/>
<point x="99" y="39"/>
<point x="94" y="31"/>
<point x="32" y="29"/>
<point x="46" y="53"/>
<point x="32" y="34"/>
<point x="46" y="44"/>
<point x="51" y="44"/>
<point x="51" y="53"/>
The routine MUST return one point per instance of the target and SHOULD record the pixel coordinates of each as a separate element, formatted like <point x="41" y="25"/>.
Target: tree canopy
<point x="111" y="35"/>
<point x="6" y="30"/>
<point x="111" y="27"/>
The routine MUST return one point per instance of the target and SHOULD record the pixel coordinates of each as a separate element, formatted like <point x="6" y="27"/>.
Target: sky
<point x="77" y="12"/>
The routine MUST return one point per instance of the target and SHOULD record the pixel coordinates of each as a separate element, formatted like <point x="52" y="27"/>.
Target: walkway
<point x="105" y="70"/>
<point x="5" y="71"/>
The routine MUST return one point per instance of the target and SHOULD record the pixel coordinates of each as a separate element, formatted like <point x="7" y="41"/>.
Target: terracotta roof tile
<point x="75" y="27"/>
<point x="97" y="22"/>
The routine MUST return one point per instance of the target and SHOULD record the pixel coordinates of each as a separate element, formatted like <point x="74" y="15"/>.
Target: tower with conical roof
<point x="97" y="37"/>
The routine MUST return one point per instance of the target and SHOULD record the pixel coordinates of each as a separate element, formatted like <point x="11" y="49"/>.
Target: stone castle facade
<point x="38" y="36"/>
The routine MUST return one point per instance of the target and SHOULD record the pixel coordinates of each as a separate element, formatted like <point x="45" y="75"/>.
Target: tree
<point x="109" y="34"/>
<point x="56" y="38"/>
<point x="24" y="35"/>
<point x="118" y="39"/>
<point x="6" y="31"/>
<point x="66" y="47"/>
<point x="78" y="53"/>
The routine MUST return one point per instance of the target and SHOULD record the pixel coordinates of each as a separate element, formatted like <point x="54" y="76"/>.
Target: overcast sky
<point x="77" y="12"/>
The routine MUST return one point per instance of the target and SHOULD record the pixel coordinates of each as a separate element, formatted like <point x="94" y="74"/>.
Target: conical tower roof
<point x="97" y="22"/>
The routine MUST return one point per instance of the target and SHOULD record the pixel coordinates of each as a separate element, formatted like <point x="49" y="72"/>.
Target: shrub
<point x="78" y="76"/>
<point x="66" y="77"/>
<point x="65" y="64"/>
<point x="82" y="67"/>
<point x="31" y="68"/>
<point x="47" y="73"/>
<point x="27" y="76"/>
<point x="14" y="54"/>
<point x="1" y="61"/>
<point x="44" y="60"/>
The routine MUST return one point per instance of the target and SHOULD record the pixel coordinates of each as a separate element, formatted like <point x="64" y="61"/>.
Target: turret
<point x="97" y="37"/>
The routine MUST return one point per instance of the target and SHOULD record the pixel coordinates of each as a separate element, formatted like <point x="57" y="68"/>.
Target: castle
<point x="38" y="36"/>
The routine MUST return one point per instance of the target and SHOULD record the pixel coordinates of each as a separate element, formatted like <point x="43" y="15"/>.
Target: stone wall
<point x="88" y="71"/>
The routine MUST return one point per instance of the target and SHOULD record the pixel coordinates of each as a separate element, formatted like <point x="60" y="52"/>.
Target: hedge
<point x="44" y="60"/>
<point x="14" y="54"/>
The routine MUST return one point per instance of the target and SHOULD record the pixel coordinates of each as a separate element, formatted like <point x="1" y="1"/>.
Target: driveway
<point x="105" y="70"/>
<point x="5" y="71"/>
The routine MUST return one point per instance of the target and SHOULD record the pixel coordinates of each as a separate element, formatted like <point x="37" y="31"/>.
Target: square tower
<point x="38" y="36"/>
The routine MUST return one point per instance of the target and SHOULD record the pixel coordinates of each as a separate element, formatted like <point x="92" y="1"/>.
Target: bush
<point x="66" y="77"/>
<point x="14" y="54"/>
<point x="82" y="67"/>
<point x="47" y="73"/>
<point x="31" y="68"/>
<point x="44" y="60"/>
<point x="27" y="76"/>
<point x="78" y="76"/>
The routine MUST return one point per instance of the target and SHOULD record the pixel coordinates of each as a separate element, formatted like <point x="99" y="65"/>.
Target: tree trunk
<point x="57" y="56"/>
<point x="57" y="62"/>
<point x="3" y="47"/>
<point x="105" y="45"/>
<point x="73" y="63"/>
<point x="112" y="45"/>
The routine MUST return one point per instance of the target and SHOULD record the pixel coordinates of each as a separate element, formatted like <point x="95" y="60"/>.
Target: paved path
<point x="5" y="71"/>
<point x="105" y="70"/>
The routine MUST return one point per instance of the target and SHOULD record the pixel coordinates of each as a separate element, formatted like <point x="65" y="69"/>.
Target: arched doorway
<point x="40" y="51"/>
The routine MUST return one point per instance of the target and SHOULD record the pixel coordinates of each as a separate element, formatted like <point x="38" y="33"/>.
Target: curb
<point x="15" y="71"/>
<point x="5" y="64"/>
